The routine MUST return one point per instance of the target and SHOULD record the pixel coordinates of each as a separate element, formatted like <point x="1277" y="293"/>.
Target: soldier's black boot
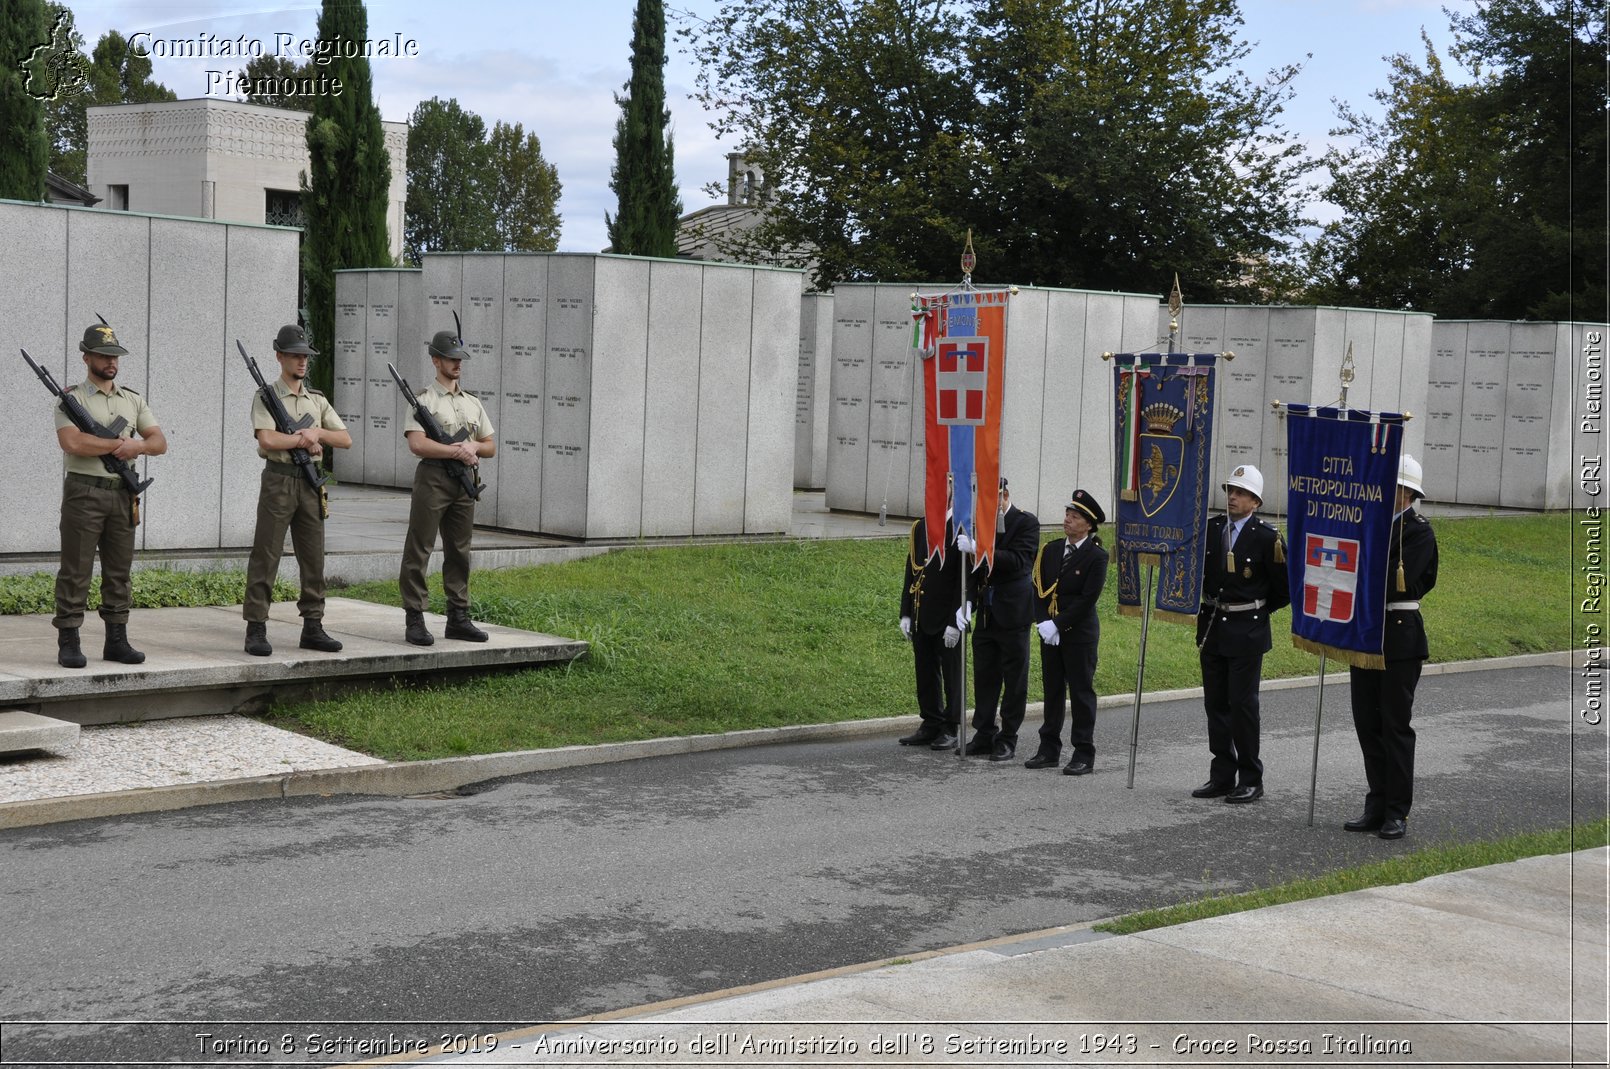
<point x="117" y="646"/>
<point x="314" y="638"/>
<point x="68" y="655"/>
<point x="416" y="633"/>
<point x="257" y="640"/>
<point x="460" y="627"/>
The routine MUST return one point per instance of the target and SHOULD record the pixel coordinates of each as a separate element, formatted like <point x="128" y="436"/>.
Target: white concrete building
<point x="216" y="159"/>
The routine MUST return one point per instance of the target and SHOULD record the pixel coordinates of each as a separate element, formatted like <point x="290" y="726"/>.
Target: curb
<point x="400" y="779"/>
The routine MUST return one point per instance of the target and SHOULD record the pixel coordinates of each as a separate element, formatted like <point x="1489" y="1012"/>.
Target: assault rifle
<point x="433" y="430"/>
<point x="89" y="425"/>
<point x="282" y="422"/>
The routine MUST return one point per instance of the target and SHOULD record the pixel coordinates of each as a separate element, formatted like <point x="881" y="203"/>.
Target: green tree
<point x="1094" y="143"/>
<point x="1482" y="198"/>
<point x="644" y="175"/>
<point x="525" y="191"/>
<point x="347" y="187"/>
<point x="272" y="73"/>
<point x="114" y="73"/>
<point x="24" y="148"/>
<point x="450" y="186"/>
<point x="1128" y="146"/>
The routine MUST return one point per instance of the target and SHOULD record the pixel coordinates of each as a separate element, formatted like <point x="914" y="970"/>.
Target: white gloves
<point x="964" y="616"/>
<point x="905" y="626"/>
<point x="952" y="636"/>
<point x="965" y="544"/>
<point x="1049" y="633"/>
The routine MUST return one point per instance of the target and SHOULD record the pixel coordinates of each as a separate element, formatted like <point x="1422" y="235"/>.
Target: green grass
<point x="694" y="639"/>
<point x="153" y="588"/>
<point x="1407" y="868"/>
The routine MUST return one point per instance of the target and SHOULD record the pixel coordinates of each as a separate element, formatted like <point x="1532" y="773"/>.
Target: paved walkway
<point x="1503" y="965"/>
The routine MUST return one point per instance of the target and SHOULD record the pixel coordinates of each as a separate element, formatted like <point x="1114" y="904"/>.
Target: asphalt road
<point x="589" y="889"/>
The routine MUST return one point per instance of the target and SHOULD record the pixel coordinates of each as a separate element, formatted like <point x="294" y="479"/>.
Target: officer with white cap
<point x="1383" y="698"/>
<point x="1243" y="582"/>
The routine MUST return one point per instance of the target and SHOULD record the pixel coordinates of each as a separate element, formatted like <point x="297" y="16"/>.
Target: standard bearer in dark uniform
<point x="1003" y="595"/>
<point x="97" y="511"/>
<point x="1243" y="582"/>
<point x="1383" y="699"/>
<point x="930" y="597"/>
<point x="440" y="502"/>
<point x="1069" y="574"/>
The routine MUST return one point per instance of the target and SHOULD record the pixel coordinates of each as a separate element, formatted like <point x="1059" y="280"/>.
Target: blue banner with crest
<point x="1164" y="452"/>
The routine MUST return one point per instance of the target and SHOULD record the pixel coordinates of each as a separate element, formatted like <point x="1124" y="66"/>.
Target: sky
<point x="555" y="68"/>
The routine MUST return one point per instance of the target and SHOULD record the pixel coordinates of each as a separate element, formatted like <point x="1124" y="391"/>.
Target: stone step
<point x="21" y="732"/>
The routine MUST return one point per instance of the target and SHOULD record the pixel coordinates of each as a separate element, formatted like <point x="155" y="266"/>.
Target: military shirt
<point x="105" y="409"/>
<point x="309" y="402"/>
<point x="452" y="410"/>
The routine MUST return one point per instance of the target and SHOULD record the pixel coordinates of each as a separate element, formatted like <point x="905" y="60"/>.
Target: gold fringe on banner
<point x="1173" y="617"/>
<point x="1131" y="610"/>
<point x="1353" y="657"/>
<point x="1130" y="495"/>
<point x="1149" y="560"/>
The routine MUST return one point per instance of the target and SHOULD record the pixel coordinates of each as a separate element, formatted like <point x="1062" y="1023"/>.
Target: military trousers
<point x="286" y="502"/>
<point x="1383" y="705"/>
<point x="1230" y="696"/>
<point x="96" y="514"/>
<point x="439" y="505"/>
<point x="1000" y="675"/>
<point x="1068" y="671"/>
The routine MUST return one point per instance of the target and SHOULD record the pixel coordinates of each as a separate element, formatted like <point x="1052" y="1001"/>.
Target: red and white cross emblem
<point x="1330" y="577"/>
<point x="961" y="379"/>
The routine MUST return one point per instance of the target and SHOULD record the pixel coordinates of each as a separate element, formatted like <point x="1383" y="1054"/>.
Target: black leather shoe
<point x="1042" y="760"/>
<point x="1393" y="829"/>
<point x="1003" y="751"/>
<point x="69" y="654"/>
<point x="117" y="646"/>
<point x="460" y="626"/>
<point x="1244" y="793"/>
<point x="981" y="746"/>
<point x="257" y="640"/>
<point x="414" y="629"/>
<point x="1213" y="790"/>
<point x="946" y="741"/>
<point x="921" y="737"/>
<point x="1364" y="823"/>
<point x="1077" y="767"/>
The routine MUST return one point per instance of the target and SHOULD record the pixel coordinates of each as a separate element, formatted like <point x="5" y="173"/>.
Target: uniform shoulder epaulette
<point x="315" y="393"/>
<point x="130" y="389"/>
<point x="1420" y="518"/>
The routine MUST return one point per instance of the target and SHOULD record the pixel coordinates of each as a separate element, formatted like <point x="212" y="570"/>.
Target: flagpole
<point x="1346" y="377"/>
<point x="1140" y="671"/>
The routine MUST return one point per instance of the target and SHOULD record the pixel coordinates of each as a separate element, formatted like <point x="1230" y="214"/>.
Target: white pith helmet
<point x="1409" y="475"/>
<point x="1247" y="478"/>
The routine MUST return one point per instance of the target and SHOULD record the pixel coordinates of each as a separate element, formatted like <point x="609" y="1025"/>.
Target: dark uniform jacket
<point x="1067" y="586"/>
<point x="1415" y="545"/>
<point x="931" y="594"/>
<point x="1003" y="596"/>
<point x="1260" y="574"/>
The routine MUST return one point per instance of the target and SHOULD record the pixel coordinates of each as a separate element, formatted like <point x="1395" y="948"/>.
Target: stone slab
<point x="812" y="394"/>
<point x="894" y="408"/>
<point x="773" y="371"/>
<point x="1444" y="408"/>
<point x="34" y="278"/>
<point x="348" y="355"/>
<point x="521" y="408"/>
<point x="21" y="732"/>
<point x="195" y="664"/>
<point x="481" y="314"/>
<point x="617" y="414"/>
<point x="1023" y="400"/>
<point x="723" y="409"/>
<point x="850" y="390"/>
<point x="1528" y="415"/>
<point x="565" y="421"/>
<point x="185" y="383"/>
<point x="1481" y="439"/>
<point x="670" y="468"/>
<point x="1063" y="373"/>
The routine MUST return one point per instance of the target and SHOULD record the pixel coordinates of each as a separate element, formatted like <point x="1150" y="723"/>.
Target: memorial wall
<point x="1499" y="410"/>
<point x="1295" y="354"/>
<point x="631" y="397"/>
<point x="178" y="293"/>
<point x="812" y="395"/>
<point x="1057" y="424"/>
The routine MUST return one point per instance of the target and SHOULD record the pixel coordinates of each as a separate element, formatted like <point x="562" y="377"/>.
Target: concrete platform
<point x="22" y="732"/>
<point x="195" y="664"/>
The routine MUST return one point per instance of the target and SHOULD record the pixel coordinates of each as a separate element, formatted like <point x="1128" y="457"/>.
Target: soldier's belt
<point x="1233" y="606"/>
<point x="440" y="463"/>
<point x="95" y="480"/>
<point x="279" y="467"/>
<point x="1402" y="606"/>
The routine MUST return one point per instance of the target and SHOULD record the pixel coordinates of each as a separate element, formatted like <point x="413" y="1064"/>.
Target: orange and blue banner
<point x="1341" y="494"/>
<point x="962" y="339"/>
<point x="1164" y="453"/>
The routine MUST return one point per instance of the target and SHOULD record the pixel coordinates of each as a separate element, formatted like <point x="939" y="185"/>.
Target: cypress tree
<point x="644" y="176"/>
<point x="24" y="148"/>
<point x="347" y="189"/>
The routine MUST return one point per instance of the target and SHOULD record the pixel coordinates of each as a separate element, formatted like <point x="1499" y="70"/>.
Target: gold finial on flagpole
<point x="969" y="258"/>
<point x="1175" y="303"/>
<point x="1346" y="374"/>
